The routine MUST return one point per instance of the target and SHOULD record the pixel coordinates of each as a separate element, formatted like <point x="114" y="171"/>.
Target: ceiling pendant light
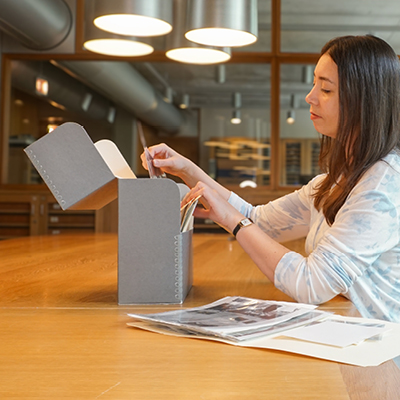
<point x="118" y="46"/>
<point x="237" y="100"/>
<point x="236" y="117"/>
<point x="182" y="50"/>
<point x="291" y="115"/>
<point x="199" y="55"/>
<point x="237" y="104"/>
<point x="222" y="23"/>
<point x="221" y="73"/>
<point x="134" y="17"/>
<point x="290" y="118"/>
<point x="99" y="41"/>
<point x="168" y="95"/>
<point x="184" y="104"/>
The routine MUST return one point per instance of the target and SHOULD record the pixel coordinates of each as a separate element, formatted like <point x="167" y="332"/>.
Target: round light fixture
<point x="184" y="104"/>
<point x="118" y="47"/>
<point x="110" y="44"/>
<point x="132" y="25"/>
<point x="178" y="48"/>
<point x="222" y="23"/>
<point x="198" y="55"/>
<point x="221" y="37"/>
<point x="236" y="117"/>
<point x="290" y="117"/>
<point x="134" y="17"/>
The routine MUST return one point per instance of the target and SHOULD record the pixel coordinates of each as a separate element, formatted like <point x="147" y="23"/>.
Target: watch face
<point x="245" y="222"/>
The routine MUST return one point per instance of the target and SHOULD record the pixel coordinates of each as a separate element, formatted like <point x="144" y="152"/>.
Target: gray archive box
<point x="155" y="263"/>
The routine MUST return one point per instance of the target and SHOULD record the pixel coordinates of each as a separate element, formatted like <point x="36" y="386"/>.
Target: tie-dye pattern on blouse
<point x="358" y="256"/>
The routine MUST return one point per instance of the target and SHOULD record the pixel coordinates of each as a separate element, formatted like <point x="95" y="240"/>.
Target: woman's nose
<point x="311" y="98"/>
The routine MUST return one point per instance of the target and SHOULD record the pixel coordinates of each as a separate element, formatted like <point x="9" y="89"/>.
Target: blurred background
<point x="243" y="119"/>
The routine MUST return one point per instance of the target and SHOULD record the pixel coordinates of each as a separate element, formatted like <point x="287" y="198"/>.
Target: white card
<point x="337" y="333"/>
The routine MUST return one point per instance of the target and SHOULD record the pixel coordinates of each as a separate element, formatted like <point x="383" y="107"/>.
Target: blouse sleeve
<point x="284" y="219"/>
<point x="365" y="227"/>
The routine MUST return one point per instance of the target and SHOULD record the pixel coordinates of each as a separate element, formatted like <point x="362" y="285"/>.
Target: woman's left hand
<point x="217" y="208"/>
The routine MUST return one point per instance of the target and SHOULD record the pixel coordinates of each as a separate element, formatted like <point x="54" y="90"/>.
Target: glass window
<point x="33" y="114"/>
<point x="237" y="152"/>
<point x="307" y="25"/>
<point x="233" y="153"/>
<point x="299" y="141"/>
<point x="263" y="43"/>
<point x="203" y="99"/>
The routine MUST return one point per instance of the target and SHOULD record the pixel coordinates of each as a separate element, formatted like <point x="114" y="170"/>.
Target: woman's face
<point x="324" y="97"/>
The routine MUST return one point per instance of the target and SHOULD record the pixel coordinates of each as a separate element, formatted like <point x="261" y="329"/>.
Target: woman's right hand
<point x="168" y="160"/>
<point x="171" y="162"/>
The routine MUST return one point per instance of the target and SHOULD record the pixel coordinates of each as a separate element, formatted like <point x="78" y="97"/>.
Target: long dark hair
<point x="369" y="116"/>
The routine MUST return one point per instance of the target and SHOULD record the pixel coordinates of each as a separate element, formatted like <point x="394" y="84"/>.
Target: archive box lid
<point x="82" y="175"/>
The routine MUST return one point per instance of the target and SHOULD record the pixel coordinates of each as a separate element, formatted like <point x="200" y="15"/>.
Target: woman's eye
<point x="326" y="90"/>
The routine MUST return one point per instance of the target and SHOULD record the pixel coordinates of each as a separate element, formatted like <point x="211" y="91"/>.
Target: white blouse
<point x="358" y="256"/>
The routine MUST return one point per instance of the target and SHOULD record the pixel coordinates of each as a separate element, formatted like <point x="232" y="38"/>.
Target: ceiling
<point x="306" y="26"/>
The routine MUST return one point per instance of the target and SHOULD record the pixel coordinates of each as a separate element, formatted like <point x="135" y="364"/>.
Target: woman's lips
<point x="314" y="116"/>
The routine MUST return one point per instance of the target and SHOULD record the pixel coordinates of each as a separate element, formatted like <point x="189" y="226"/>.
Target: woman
<point x="351" y="213"/>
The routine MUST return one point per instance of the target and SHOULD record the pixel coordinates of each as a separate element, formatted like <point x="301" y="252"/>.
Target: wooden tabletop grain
<point x="63" y="335"/>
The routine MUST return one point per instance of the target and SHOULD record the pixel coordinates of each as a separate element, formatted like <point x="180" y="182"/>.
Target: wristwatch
<point x="244" y="222"/>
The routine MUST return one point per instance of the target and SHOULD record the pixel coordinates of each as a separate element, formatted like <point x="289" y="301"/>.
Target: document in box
<point x="154" y="172"/>
<point x="187" y="212"/>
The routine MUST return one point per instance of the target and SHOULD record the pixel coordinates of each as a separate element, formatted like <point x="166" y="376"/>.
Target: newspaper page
<point x="235" y="318"/>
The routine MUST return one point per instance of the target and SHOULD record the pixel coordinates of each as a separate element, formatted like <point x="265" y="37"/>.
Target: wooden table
<point x="63" y="336"/>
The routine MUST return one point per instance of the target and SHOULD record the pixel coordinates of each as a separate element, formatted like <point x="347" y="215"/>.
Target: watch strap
<point x="241" y="224"/>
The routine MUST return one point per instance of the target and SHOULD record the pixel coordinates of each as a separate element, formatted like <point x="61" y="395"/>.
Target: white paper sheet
<point x="337" y="333"/>
<point x="365" y="354"/>
<point x="114" y="159"/>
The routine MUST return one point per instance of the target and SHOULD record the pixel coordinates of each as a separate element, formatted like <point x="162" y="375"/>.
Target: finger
<point x="193" y="194"/>
<point x="204" y="202"/>
<point x="166" y="166"/>
<point x="185" y="199"/>
<point x="144" y="161"/>
<point x="160" y="151"/>
<point x="201" y="213"/>
<point x="205" y="192"/>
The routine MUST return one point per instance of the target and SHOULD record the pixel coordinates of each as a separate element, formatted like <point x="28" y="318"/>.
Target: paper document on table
<point x="338" y="333"/>
<point x="246" y="322"/>
<point x="236" y="318"/>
